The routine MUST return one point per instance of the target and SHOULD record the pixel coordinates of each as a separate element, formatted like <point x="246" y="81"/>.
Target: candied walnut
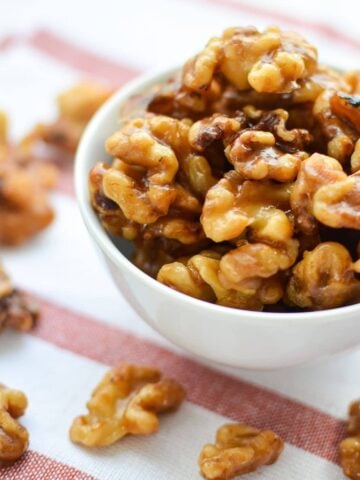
<point x="233" y="204"/>
<point x="126" y="401"/>
<point x="257" y="155"/>
<point x="109" y="213"/>
<point x="76" y="106"/>
<point x="315" y="172"/>
<point x="350" y="447"/>
<point x="350" y="457"/>
<point x="338" y="204"/>
<point x="198" y="85"/>
<point x="347" y="107"/>
<point x="16" y="310"/>
<point x="324" y="78"/>
<point x="245" y="267"/>
<point x="24" y="204"/>
<point x="338" y="134"/>
<point x="24" y="181"/>
<point x="142" y="181"/>
<point x="14" y="438"/>
<point x="324" y="278"/>
<point x="205" y="132"/>
<point x="239" y="449"/>
<point x="185" y="231"/>
<point x="199" y="277"/>
<point x="198" y="174"/>
<point x="271" y="61"/>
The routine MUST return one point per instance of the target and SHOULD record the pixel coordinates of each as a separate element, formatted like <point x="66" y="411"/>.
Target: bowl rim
<point x="109" y="248"/>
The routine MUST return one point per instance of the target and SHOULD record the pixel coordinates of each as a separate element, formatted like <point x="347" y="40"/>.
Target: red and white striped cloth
<point x="86" y="325"/>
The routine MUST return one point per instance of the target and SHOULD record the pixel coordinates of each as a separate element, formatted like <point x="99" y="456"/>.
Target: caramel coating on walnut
<point x="338" y="134"/>
<point x="109" y="213"/>
<point x="268" y="150"/>
<point x="200" y="277"/>
<point x="245" y="267"/>
<point x="324" y="278"/>
<point x="14" y="438"/>
<point x="24" y="204"/>
<point x="269" y="61"/>
<point x="233" y="204"/>
<point x="142" y="183"/>
<point x="126" y="401"/>
<point x="205" y="132"/>
<point x="350" y="447"/>
<point x="239" y="449"/>
<point x="16" y="310"/>
<point x="255" y="156"/>
<point x="321" y="192"/>
<point x="338" y="204"/>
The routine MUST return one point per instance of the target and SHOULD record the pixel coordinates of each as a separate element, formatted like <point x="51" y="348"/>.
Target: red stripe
<point x="327" y="31"/>
<point x="299" y="424"/>
<point x="35" y="466"/>
<point x="7" y="42"/>
<point x="80" y="58"/>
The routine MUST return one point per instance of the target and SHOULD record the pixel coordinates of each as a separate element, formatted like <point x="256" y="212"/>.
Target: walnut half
<point x="16" y="310"/>
<point x="350" y="447"/>
<point x="239" y="449"/>
<point x="126" y="401"/>
<point x="14" y="438"/>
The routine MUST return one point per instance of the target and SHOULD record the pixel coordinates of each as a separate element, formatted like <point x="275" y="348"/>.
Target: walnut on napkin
<point x="16" y="310"/>
<point x="25" y="180"/>
<point x="126" y="401"/>
<point x="350" y="447"/>
<point x="14" y="438"/>
<point x="239" y="449"/>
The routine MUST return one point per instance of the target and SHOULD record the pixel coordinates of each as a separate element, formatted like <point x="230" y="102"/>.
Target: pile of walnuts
<point x="239" y="184"/>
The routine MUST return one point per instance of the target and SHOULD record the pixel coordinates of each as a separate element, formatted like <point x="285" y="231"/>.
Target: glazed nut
<point x="253" y="261"/>
<point x="24" y="204"/>
<point x="205" y="132"/>
<point x="233" y="204"/>
<point x="323" y="192"/>
<point x="269" y="61"/>
<point x="141" y="181"/>
<point x="324" y="278"/>
<point x="126" y="401"/>
<point x="337" y="204"/>
<point x="350" y="457"/>
<point x="16" y="310"/>
<point x="239" y="449"/>
<point x="200" y="276"/>
<point x="339" y="134"/>
<point x="14" y="438"/>
<point x="350" y="447"/>
<point x="263" y="152"/>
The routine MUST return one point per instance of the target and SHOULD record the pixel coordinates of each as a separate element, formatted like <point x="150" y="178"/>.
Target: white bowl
<point x="238" y="338"/>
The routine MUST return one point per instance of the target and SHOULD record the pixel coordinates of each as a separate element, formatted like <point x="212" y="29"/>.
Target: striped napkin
<point x="86" y="325"/>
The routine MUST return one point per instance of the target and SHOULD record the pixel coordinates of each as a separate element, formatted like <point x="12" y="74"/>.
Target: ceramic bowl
<point x="229" y="336"/>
